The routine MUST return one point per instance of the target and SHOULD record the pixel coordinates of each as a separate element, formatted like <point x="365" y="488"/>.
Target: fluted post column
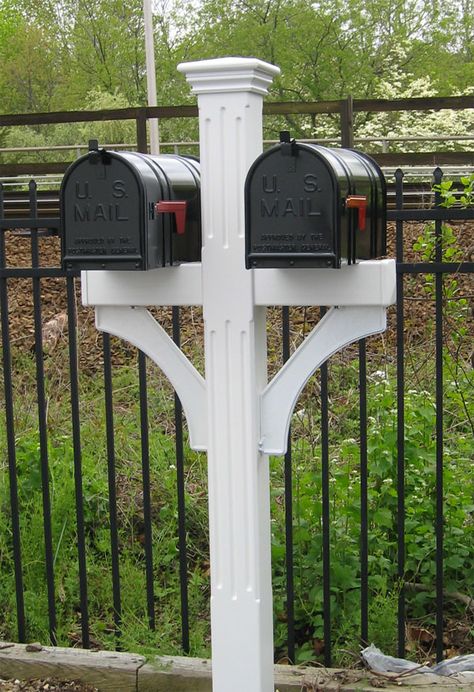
<point x="230" y="94"/>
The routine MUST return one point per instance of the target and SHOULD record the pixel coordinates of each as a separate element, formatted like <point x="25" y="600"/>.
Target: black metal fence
<point x="306" y="607"/>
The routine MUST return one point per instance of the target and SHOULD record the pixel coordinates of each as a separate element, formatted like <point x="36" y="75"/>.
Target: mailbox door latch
<point x="176" y="208"/>
<point x="358" y="202"/>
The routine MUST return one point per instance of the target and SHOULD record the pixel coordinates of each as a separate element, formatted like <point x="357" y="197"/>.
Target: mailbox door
<point x="293" y="213"/>
<point x="102" y="224"/>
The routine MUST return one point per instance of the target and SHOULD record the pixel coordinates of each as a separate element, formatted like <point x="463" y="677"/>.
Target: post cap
<point x="229" y="74"/>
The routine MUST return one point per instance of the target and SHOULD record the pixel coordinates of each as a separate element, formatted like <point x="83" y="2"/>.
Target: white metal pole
<point x="151" y="75"/>
<point x="230" y="92"/>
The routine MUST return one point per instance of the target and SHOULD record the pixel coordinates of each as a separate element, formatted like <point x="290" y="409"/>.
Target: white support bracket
<point x="139" y="327"/>
<point x="338" y="328"/>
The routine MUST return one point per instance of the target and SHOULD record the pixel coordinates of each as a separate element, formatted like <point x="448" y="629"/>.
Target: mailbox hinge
<point x="287" y="145"/>
<point x="97" y="155"/>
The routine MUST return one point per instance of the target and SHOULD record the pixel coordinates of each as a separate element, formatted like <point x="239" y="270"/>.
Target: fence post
<point x="141" y="132"/>
<point x="347" y="123"/>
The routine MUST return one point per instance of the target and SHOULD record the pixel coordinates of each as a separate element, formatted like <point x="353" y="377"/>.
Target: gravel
<point x="34" y="684"/>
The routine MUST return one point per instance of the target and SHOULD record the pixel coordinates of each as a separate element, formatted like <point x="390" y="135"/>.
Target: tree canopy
<point x="56" y="53"/>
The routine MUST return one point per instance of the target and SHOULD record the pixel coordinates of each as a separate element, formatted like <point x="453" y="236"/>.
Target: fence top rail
<point x="375" y="105"/>
<point x="424" y="103"/>
<point x="130" y="146"/>
<point x="91" y="116"/>
<point x="85" y="147"/>
<point x="269" y="108"/>
<point x="319" y="140"/>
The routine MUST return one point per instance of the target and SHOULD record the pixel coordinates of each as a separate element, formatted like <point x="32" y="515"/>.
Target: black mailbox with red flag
<point x="311" y="206"/>
<point x="130" y="211"/>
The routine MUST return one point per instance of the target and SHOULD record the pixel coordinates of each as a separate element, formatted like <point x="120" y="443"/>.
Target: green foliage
<point x="48" y="136"/>
<point x="443" y="245"/>
<point x="135" y="631"/>
<point x="345" y="499"/>
<point x="344" y="502"/>
<point x="32" y="70"/>
<point x="450" y="196"/>
<point x="420" y="485"/>
<point x="107" y="132"/>
<point x="54" y="53"/>
<point x="427" y="243"/>
<point x="75" y="54"/>
<point x="108" y="48"/>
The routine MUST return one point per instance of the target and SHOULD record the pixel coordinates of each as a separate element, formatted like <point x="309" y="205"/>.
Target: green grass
<point x="135" y="631"/>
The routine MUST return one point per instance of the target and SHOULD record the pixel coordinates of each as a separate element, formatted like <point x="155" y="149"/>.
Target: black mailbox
<point x="310" y="206"/>
<point x="130" y="211"/>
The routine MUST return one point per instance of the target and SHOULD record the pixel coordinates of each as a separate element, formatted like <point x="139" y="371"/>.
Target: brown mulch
<point x="419" y="305"/>
<point x="49" y="684"/>
<point x="54" y="309"/>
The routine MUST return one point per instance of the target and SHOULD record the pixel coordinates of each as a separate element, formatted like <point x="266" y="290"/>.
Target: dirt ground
<point x="419" y="303"/>
<point x="49" y="684"/>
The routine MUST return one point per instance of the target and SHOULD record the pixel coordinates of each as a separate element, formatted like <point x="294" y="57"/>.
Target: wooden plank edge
<point x="107" y="670"/>
<point x="175" y="674"/>
<point x="124" y="672"/>
<point x="179" y="674"/>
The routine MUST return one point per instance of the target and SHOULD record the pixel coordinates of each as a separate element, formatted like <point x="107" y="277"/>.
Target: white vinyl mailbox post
<point x="233" y="413"/>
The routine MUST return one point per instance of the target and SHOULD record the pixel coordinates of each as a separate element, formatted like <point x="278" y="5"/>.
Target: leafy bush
<point x="451" y="196"/>
<point x="345" y="498"/>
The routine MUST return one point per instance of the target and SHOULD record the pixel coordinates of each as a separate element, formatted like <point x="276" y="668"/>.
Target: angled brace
<point x="140" y="328"/>
<point x="339" y="327"/>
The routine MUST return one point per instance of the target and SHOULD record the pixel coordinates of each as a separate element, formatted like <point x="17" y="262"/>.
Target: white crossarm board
<point x="371" y="282"/>
<point x="165" y="286"/>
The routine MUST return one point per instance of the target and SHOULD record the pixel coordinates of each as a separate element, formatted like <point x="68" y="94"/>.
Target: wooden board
<point x="107" y="670"/>
<point x="175" y="674"/>
<point x="124" y="672"/>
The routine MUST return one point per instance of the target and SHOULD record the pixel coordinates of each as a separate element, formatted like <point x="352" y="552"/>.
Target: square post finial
<point x="229" y="74"/>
